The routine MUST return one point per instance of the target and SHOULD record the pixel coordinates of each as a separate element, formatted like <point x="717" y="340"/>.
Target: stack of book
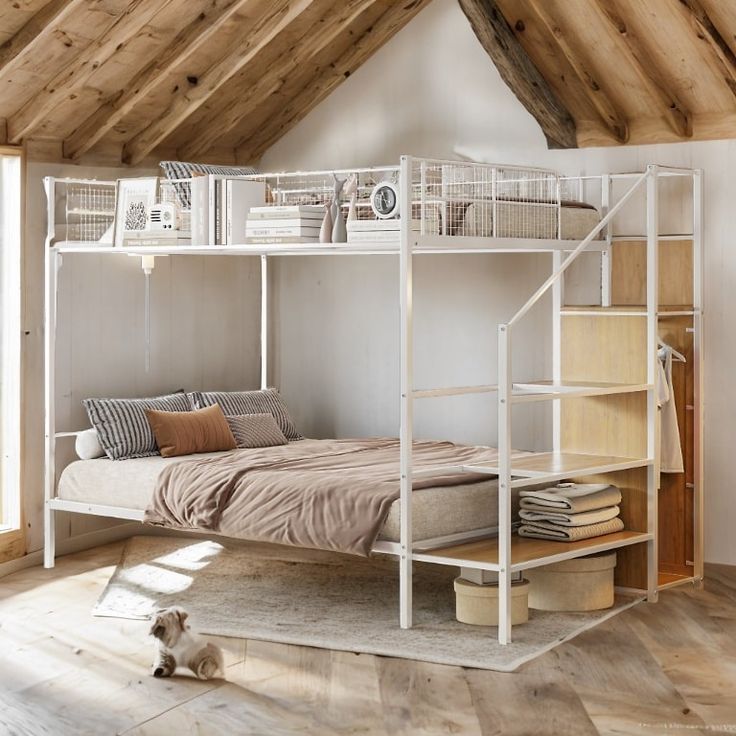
<point x="298" y="223"/>
<point x="383" y="231"/>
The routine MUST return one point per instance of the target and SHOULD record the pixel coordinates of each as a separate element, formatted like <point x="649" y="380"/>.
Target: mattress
<point x="435" y="511"/>
<point x="529" y="220"/>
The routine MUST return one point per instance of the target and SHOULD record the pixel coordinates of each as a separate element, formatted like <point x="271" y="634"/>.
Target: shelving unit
<point x="603" y="372"/>
<point x="527" y="553"/>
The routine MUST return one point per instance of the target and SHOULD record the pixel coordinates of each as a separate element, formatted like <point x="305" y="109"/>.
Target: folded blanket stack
<point x="570" y="512"/>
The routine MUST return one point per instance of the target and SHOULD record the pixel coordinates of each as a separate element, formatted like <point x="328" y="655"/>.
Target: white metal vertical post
<point x="606" y="254"/>
<point x="407" y="385"/>
<point x="52" y="263"/>
<point x="698" y="308"/>
<point x="264" y="322"/>
<point x="652" y="334"/>
<point x="557" y="301"/>
<point x="504" y="484"/>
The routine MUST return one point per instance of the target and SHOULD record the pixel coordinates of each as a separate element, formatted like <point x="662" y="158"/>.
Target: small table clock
<point x="385" y="200"/>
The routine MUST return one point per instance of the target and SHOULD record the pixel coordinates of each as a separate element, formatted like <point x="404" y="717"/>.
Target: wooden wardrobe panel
<point x="604" y="348"/>
<point x="629" y="272"/>
<point x="675" y="517"/>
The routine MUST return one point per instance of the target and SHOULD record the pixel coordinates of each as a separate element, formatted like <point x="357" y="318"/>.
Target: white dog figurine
<point x="176" y="645"/>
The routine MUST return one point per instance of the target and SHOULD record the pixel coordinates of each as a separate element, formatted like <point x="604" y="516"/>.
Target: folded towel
<point x="572" y="497"/>
<point x="540" y="513"/>
<point x="545" y="530"/>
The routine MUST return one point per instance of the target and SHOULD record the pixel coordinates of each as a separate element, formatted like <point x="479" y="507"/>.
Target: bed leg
<point x="405" y="591"/>
<point x="49" y="537"/>
<point x="504" y="607"/>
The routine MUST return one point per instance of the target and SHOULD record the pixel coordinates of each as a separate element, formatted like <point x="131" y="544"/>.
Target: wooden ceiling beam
<point x="222" y="119"/>
<point x="519" y="72"/>
<point x="186" y="99"/>
<point x="676" y="112"/>
<point x="114" y="109"/>
<point x="722" y="54"/>
<point x="14" y="51"/>
<point x="65" y="84"/>
<point x="397" y="15"/>
<point x="612" y="118"/>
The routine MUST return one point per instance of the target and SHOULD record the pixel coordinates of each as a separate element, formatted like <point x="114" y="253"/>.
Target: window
<point x="11" y="541"/>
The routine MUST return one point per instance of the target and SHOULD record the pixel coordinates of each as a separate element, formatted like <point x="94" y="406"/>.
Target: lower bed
<point x="437" y="511"/>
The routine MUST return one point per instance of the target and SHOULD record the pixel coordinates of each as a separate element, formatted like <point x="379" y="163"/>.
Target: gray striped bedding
<point x="256" y="430"/>
<point x="236" y="403"/>
<point x="122" y="426"/>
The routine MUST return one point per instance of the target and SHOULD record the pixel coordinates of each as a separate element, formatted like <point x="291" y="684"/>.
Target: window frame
<point x="12" y="538"/>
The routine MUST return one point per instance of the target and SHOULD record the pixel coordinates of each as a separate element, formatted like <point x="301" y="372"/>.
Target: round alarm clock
<point x="385" y="200"/>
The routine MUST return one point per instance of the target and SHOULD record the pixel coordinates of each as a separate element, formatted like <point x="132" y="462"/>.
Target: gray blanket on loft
<point x="322" y="494"/>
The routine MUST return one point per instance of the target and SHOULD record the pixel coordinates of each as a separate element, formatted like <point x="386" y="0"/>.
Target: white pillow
<point x="88" y="445"/>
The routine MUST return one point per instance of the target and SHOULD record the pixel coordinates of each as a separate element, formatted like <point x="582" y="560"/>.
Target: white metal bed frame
<point x="413" y="243"/>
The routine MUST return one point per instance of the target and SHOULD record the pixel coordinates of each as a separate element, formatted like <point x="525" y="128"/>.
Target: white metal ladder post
<point x="698" y="390"/>
<point x="606" y="255"/>
<point x="652" y="346"/>
<point x="264" y="322"/>
<point x="558" y="299"/>
<point x="406" y="434"/>
<point x="504" y="484"/>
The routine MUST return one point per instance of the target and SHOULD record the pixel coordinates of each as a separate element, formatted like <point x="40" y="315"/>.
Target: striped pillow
<point x="256" y="430"/>
<point x="122" y="425"/>
<point x="236" y="403"/>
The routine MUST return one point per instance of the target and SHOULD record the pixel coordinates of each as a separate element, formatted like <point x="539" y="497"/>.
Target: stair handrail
<point x="539" y="293"/>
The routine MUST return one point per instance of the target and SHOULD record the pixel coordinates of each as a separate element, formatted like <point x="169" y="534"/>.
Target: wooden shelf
<point x="527" y="553"/>
<point x="664" y="310"/>
<point x="548" y="390"/>
<point x="673" y="579"/>
<point x="544" y="390"/>
<point x="547" y="467"/>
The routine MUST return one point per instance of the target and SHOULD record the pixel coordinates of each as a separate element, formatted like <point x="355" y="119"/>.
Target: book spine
<point x="375" y="236"/>
<point x="295" y="210"/>
<point x="316" y="216"/>
<point x="280" y="239"/>
<point x="280" y="230"/>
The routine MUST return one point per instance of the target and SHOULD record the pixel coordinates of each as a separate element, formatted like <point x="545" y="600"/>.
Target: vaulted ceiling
<point x="606" y="72"/>
<point x="224" y="79"/>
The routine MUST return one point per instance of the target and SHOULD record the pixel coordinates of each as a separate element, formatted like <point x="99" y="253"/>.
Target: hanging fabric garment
<point x="670" y="449"/>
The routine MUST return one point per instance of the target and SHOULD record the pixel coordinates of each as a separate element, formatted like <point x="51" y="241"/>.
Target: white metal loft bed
<point x="436" y="192"/>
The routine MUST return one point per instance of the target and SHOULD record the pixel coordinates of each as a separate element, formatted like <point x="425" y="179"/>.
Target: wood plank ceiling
<point x="127" y="80"/>
<point x="133" y="80"/>
<point x="626" y="71"/>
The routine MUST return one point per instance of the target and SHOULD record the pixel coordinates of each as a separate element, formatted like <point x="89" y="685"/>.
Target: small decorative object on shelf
<point x="385" y="200"/>
<point x="135" y="198"/>
<point x="339" y="233"/>
<point x="351" y="191"/>
<point x="325" y="232"/>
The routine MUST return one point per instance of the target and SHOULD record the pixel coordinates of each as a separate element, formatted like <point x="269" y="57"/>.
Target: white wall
<point x="432" y="91"/>
<point x="204" y="333"/>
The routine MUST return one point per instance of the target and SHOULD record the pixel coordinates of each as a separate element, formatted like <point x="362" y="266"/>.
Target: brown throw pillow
<point x="187" y="432"/>
<point x="256" y="430"/>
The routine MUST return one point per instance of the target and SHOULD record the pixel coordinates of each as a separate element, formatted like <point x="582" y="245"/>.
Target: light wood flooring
<point x="665" y="668"/>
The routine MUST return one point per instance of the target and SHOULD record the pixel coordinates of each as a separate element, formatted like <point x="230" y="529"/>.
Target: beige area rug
<point x="321" y="599"/>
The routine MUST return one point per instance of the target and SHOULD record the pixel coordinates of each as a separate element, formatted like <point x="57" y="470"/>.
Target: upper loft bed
<point x="456" y="207"/>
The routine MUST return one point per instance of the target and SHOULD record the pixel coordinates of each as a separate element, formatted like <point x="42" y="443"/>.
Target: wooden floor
<point x="666" y="668"/>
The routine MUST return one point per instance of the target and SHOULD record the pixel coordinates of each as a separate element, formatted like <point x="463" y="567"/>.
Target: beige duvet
<point x="324" y="494"/>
